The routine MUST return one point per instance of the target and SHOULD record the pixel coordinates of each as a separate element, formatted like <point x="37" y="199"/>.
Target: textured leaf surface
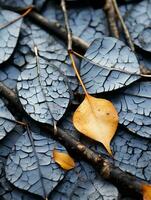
<point x="133" y="154"/>
<point x="43" y="91"/>
<point x="9" y="34"/>
<point x="22" y="3"/>
<point x="9" y="192"/>
<point x="10" y="139"/>
<point x="138" y="22"/>
<point x="134" y="108"/>
<point x="102" y="70"/>
<point x="31" y="167"/>
<point x="86" y="23"/>
<point x="6" y="125"/>
<point x="9" y="75"/>
<point x="49" y="47"/>
<point x="97" y="119"/>
<point x="83" y="183"/>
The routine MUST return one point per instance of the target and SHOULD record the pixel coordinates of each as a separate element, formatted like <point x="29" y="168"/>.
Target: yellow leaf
<point x="146" y="192"/>
<point x="63" y="159"/>
<point x="97" y="119"/>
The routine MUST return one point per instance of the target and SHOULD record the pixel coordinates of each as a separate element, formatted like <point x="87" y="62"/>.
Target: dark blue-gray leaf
<point x="9" y="192"/>
<point x="125" y="9"/>
<point x="49" y="48"/>
<point x="43" y="91"/>
<point x="83" y="183"/>
<point x="22" y="3"/>
<point x="10" y="139"/>
<point x="86" y="23"/>
<point x="31" y="167"/>
<point x="134" y="108"/>
<point x="108" y="65"/>
<point x="9" y="34"/>
<point x="138" y="22"/>
<point x="9" y="75"/>
<point x="7" y="121"/>
<point x="133" y="154"/>
<point x="18" y="58"/>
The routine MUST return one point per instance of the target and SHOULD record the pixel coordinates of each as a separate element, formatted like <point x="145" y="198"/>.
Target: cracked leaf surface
<point x="133" y="154"/>
<point x="105" y="60"/>
<point x="138" y="22"/>
<point x="43" y="91"/>
<point x="83" y="183"/>
<point x="86" y="23"/>
<point x="23" y="3"/>
<point x="134" y="108"/>
<point x="30" y="166"/>
<point x="9" y="34"/>
<point x="49" y="48"/>
<point x="9" y="75"/>
<point x="6" y="125"/>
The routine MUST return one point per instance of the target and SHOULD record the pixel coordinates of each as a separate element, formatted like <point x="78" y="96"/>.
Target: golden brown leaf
<point x="146" y="192"/>
<point x="63" y="159"/>
<point x="97" y="119"/>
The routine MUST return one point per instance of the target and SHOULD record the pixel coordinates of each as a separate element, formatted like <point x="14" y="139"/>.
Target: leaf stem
<point x="18" y="18"/>
<point x="30" y="136"/>
<point x="77" y="73"/>
<point x="21" y="123"/>
<point x="69" y="36"/>
<point x="41" y="85"/>
<point x="14" y="120"/>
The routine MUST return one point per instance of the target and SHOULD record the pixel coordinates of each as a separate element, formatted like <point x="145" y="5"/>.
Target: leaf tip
<point x="108" y="148"/>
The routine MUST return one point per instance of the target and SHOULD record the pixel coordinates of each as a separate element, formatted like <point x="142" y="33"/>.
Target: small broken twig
<point x="110" y="13"/>
<point x="127" y="34"/>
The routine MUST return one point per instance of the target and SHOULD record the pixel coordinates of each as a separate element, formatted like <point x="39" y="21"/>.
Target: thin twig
<point x="16" y="19"/>
<point x="77" y="73"/>
<point x="111" y="17"/>
<point x="127" y="34"/>
<point x="69" y="35"/>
